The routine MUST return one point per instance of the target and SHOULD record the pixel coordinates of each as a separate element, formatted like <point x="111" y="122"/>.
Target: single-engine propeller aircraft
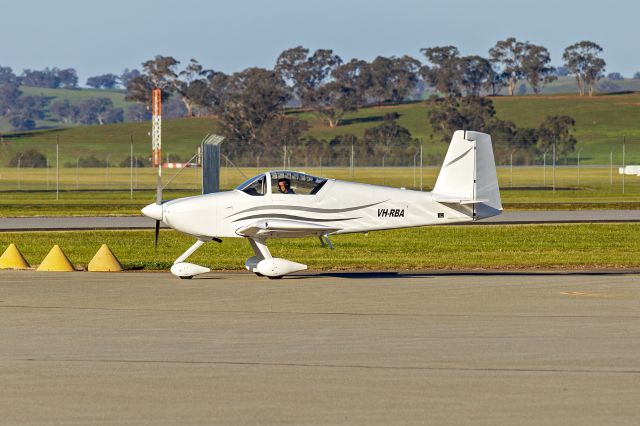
<point x="288" y="204"/>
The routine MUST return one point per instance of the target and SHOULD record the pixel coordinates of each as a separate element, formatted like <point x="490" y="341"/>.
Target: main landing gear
<point x="263" y="264"/>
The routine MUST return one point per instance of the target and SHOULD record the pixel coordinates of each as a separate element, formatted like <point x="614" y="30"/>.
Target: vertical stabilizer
<point x="468" y="175"/>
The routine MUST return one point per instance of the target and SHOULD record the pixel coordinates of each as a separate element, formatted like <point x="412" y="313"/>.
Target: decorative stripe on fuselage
<point x="287" y="216"/>
<point x="305" y="209"/>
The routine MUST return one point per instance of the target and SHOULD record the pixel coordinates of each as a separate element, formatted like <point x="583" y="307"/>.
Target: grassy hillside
<point x="601" y="123"/>
<point x="75" y="96"/>
<point x="563" y="85"/>
<point x="567" y="85"/>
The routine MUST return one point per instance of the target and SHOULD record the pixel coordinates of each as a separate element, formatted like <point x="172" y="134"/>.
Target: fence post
<point x="351" y="162"/>
<point x="226" y="171"/>
<point x="131" y="168"/>
<point x="624" y="142"/>
<point x="77" y="167"/>
<point x="511" y="169"/>
<point x="47" y="167"/>
<point x="284" y="158"/>
<point x="384" y="177"/>
<point x="19" y="177"/>
<point x="554" y="167"/>
<point x="611" y="166"/>
<point x="544" y="168"/>
<point x="106" y="174"/>
<point x="414" y="169"/>
<point x="421" y="165"/>
<point x="57" y="168"/>
<point x="196" y="174"/>
<point x="579" y="166"/>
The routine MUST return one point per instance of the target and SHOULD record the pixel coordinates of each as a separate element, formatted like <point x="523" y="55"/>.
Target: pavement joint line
<point x="341" y="366"/>
<point x="364" y="314"/>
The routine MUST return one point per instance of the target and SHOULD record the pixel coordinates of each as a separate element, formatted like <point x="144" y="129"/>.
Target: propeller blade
<point x="159" y="185"/>
<point x="157" y="233"/>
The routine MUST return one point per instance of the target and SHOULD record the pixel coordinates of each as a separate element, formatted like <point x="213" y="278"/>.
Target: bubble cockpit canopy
<point x="284" y="182"/>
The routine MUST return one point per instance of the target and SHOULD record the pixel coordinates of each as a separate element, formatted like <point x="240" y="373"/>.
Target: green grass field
<point x="601" y="124"/>
<point x="554" y="247"/>
<point x="107" y="191"/>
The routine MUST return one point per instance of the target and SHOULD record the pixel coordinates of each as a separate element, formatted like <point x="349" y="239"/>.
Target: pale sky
<point x="96" y="37"/>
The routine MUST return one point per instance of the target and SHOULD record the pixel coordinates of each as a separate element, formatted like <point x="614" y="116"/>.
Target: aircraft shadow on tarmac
<point x="430" y="274"/>
<point x="359" y="275"/>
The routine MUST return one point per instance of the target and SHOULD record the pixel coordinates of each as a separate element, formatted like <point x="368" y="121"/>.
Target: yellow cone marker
<point x="56" y="260"/>
<point x="104" y="261"/>
<point x="13" y="259"/>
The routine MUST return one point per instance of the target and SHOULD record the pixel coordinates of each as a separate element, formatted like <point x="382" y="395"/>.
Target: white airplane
<point x="288" y="204"/>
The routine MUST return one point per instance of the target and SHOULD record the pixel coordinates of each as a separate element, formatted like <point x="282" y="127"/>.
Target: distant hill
<point x="601" y="123"/>
<point x="74" y="96"/>
<point x="567" y="85"/>
<point x="564" y="85"/>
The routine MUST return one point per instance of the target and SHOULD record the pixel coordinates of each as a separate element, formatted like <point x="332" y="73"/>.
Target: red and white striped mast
<point x="156" y="139"/>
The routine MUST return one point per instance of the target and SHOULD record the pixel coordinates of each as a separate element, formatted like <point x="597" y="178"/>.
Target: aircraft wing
<point x="284" y="228"/>
<point x="448" y="199"/>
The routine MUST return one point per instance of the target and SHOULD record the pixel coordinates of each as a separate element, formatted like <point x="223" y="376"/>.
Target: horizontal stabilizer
<point x="446" y="199"/>
<point x="283" y="228"/>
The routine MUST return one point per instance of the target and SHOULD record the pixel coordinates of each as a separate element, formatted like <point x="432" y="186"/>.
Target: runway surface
<point x="350" y="348"/>
<point x="141" y="222"/>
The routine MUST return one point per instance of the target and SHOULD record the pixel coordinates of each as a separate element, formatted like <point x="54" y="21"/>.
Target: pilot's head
<point x="284" y="185"/>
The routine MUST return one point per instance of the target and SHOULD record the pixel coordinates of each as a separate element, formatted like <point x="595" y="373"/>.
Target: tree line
<point x="23" y="110"/>
<point x="251" y="105"/>
<point x="261" y="107"/>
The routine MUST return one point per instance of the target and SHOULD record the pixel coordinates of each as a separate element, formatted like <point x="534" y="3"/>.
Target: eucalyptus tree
<point x="249" y="101"/>
<point x="392" y="79"/>
<point x="157" y="73"/>
<point x="477" y="73"/>
<point x="193" y="87"/>
<point x="103" y="81"/>
<point x="535" y="67"/>
<point x="508" y="55"/>
<point x="582" y="60"/>
<point x="304" y="74"/>
<point x="444" y="71"/>
<point x="556" y="129"/>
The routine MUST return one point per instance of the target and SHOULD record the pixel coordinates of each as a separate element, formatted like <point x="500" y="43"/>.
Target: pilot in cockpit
<point x="284" y="186"/>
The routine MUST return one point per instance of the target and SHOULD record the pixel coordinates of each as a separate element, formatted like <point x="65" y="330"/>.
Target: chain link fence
<point x="122" y="163"/>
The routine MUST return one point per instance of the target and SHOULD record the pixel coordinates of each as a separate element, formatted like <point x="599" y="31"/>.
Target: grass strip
<point x="549" y="246"/>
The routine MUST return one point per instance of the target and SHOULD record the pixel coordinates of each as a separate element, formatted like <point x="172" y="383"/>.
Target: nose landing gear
<point x="186" y="270"/>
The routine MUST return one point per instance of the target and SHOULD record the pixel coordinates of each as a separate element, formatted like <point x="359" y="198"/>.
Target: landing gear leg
<point x="187" y="270"/>
<point x="263" y="264"/>
<point x="325" y="241"/>
<point x="261" y="252"/>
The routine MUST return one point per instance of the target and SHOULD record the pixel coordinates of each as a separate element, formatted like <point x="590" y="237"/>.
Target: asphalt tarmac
<point x="141" y="222"/>
<point x="349" y="348"/>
